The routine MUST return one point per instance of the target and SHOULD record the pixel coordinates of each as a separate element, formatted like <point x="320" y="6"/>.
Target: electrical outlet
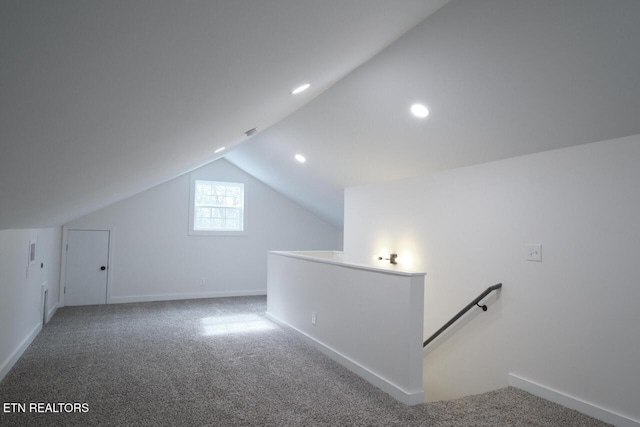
<point x="202" y="281"/>
<point x="534" y="253"/>
<point x="314" y="318"/>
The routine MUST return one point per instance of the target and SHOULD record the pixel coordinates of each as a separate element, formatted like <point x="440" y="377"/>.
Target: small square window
<point x="217" y="207"/>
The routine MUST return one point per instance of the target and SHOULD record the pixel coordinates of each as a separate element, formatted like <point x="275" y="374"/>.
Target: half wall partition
<point x="368" y="319"/>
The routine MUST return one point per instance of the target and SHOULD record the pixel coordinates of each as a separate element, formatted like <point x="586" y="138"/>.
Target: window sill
<point x="216" y="233"/>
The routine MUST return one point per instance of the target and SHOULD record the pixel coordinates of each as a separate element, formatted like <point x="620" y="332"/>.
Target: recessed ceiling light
<point x="419" y="110"/>
<point x="300" y="89"/>
<point x="219" y="150"/>
<point x="300" y="158"/>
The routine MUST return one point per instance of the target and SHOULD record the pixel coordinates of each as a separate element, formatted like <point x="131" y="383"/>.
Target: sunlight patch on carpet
<point x="235" y="324"/>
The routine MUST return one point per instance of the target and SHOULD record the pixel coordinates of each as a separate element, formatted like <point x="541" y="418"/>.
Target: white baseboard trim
<point x="13" y="358"/>
<point x="52" y="312"/>
<point x="408" y="398"/>
<point x="571" y="402"/>
<point x="195" y="295"/>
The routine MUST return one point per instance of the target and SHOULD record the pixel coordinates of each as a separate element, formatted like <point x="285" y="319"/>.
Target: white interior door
<point x="87" y="267"/>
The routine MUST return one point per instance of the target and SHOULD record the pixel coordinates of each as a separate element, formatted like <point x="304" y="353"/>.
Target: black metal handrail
<point x="463" y="311"/>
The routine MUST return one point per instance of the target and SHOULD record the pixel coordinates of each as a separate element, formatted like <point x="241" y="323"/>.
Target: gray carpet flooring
<point x="219" y="362"/>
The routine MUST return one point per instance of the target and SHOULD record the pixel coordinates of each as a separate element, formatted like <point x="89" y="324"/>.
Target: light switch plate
<point x="534" y="253"/>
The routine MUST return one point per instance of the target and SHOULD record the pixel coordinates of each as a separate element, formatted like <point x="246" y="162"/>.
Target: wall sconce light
<point x="392" y="258"/>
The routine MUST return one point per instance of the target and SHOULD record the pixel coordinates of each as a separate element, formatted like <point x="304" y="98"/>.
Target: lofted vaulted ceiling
<point x="501" y="78"/>
<point x="102" y="100"/>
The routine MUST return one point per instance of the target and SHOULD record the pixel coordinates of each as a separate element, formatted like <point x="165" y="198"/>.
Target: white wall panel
<point x="22" y="286"/>
<point x="154" y="257"/>
<point x="569" y="322"/>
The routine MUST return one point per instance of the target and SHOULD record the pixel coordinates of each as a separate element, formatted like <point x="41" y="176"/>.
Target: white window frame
<point x="192" y="192"/>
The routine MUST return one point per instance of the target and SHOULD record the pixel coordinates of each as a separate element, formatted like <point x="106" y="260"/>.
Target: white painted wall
<point x="369" y="320"/>
<point x="21" y="289"/>
<point x="154" y="258"/>
<point x="570" y="322"/>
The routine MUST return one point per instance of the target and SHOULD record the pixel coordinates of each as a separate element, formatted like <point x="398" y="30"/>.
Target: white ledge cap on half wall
<point x="335" y="257"/>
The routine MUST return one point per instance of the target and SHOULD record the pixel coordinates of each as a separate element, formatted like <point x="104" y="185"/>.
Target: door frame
<point x="63" y="258"/>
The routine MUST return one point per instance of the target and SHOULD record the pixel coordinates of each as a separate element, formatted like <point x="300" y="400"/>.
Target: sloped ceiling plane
<point x="102" y="100"/>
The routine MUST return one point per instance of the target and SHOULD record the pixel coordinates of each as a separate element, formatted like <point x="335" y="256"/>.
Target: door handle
<point x="103" y="268"/>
